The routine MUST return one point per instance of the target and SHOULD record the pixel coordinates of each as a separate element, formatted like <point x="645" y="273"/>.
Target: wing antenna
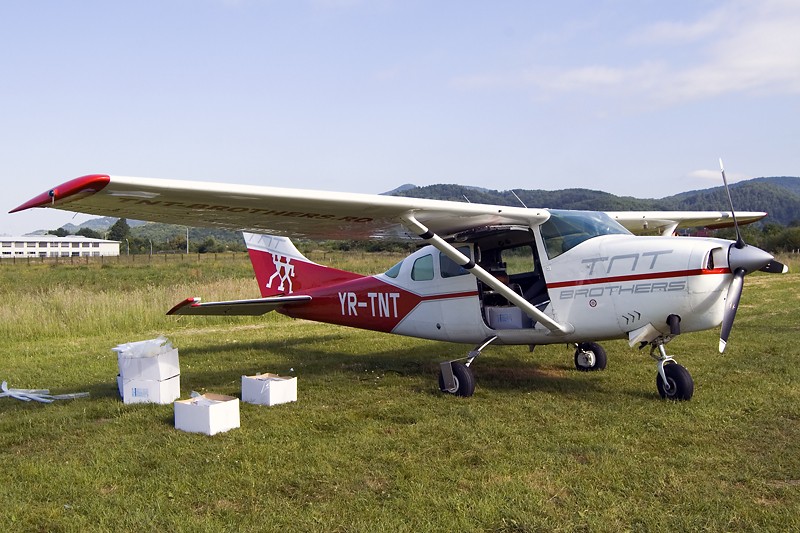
<point x="519" y="199"/>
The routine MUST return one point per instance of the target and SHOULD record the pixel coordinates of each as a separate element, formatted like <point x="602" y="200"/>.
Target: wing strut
<point x="476" y="270"/>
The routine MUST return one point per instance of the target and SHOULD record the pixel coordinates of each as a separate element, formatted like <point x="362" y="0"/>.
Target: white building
<point x="54" y="246"/>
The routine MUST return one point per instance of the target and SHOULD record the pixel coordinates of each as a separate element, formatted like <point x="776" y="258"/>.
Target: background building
<point x="54" y="246"/>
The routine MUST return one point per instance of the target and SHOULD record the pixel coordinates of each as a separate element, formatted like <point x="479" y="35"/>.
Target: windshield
<point x="565" y="230"/>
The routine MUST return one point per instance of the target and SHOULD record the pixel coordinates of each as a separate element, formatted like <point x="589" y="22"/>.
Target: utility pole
<point x="187" y="240"/>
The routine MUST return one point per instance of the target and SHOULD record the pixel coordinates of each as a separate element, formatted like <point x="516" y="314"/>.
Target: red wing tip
<point x="83" y="186"/>
<point x="184" y="303"/>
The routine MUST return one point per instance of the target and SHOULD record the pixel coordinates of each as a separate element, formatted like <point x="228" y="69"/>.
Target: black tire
<point x="590" y="356"/>
<point x="681" y="385"/>
<point x="464" y="378"/>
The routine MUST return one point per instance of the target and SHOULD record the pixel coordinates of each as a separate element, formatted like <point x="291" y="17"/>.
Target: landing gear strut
<point x="456" y="377"/>
<point x="672" y="381"/>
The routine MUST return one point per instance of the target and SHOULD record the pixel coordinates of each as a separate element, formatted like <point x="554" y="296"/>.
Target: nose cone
<point x="748" y="258"/>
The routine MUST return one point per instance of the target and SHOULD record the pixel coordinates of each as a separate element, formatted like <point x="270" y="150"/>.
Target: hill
<point x="778" y="196"/>
<point x="99" y="224"/>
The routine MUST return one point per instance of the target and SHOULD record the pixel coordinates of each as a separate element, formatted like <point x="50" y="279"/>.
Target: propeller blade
<point x="775" y="267"/>
<point x="731" y="305"/>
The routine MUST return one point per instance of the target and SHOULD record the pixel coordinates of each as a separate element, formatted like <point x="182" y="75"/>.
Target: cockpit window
<point x="423" y="268"/>
<point x="565" y="230"/>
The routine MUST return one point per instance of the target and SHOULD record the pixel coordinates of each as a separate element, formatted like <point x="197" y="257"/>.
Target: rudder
<point x="281" y="269"/>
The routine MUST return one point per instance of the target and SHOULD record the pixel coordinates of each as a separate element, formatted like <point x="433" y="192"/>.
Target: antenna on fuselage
<point x="465" y="198"/>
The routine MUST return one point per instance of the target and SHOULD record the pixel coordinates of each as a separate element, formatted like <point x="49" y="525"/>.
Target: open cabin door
<point x="510" y="254"/>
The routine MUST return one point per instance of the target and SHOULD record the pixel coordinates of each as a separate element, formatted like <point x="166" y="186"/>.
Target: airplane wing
<point x="318" y="214"/>
<point x="276" y="211"/>
<point x="254" y="307"/>
<point x="666" y="222"/>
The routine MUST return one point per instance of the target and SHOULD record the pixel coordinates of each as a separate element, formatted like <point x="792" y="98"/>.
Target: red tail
<point x="282" y="270"/>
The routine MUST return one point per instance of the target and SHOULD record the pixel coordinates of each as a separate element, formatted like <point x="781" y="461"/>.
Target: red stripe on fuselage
<point x="638" y="277"/>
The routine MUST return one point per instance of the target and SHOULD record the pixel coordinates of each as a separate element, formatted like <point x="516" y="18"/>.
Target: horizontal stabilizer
<point x="255" y="307"/>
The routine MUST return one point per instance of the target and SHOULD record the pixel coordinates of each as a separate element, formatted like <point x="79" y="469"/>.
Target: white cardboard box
<point x="268" y="389"/>
<point x="156" y="367"/>
<point x="208" y="414"/>
<point x="507" y="317"/>
<point x="149" y="391"/>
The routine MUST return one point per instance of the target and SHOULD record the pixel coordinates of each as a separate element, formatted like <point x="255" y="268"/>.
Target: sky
<point x="631" y="97"/>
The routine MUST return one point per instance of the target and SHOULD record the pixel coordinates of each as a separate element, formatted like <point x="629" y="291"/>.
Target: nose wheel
<point x="673" y="381"/>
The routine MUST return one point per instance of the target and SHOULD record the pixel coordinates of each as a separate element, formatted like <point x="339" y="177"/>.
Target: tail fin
<point x="281" y="269"/>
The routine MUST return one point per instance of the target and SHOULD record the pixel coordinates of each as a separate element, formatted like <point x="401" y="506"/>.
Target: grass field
<point x="371" y="444"/>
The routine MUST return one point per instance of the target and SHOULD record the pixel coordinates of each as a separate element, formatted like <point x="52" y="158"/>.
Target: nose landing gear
<point x="673" y="381"/>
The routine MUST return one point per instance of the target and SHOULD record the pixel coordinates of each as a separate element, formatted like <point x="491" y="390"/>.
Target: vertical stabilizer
<point x="281" y="269"/>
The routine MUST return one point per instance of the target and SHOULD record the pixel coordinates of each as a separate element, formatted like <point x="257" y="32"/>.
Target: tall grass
<point x="371" y="444"/>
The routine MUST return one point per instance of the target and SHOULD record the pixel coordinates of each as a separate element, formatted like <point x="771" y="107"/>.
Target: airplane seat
<point x="537" y="291"/>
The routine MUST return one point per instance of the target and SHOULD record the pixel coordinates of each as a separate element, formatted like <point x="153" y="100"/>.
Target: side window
<point x="394" y="271"/>
<point x="449" y="268"/>
<point x="423" y="268"/>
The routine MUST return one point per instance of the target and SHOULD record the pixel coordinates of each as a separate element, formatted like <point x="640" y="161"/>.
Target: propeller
<point x="742" y="259"/>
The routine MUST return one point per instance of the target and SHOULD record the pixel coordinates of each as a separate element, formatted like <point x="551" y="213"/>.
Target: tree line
<point x="156" y="238"/>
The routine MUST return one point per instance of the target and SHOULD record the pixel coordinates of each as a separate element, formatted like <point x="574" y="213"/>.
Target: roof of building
<point x="52" y="238"/>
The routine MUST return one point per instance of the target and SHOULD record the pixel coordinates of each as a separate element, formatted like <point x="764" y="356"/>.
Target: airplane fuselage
<point x="610" y="286"/>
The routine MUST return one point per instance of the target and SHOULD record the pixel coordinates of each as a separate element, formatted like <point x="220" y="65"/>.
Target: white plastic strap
<point x="39" y="395"/>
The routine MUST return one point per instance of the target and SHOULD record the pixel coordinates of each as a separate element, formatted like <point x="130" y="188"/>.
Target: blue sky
<point x="633" y="97"/>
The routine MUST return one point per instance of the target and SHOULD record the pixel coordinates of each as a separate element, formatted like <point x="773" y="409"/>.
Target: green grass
<point x="371" y="444"/>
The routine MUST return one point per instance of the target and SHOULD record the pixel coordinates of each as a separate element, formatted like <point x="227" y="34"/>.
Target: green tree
<point x="90" y="233"/>
<point x="119" y="231"/>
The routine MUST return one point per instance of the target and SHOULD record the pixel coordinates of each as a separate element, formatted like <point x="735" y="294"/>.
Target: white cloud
<point x="715" y="175"/>
<point x="672" y="33"/>
<point x="742" y="47"/>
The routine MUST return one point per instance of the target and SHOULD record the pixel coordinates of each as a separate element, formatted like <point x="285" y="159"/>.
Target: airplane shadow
<point x="317" y="356"/>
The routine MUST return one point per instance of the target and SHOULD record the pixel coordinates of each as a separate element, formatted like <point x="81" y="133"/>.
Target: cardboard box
<point x="507" y="317"/>
<point x="155" y="367"/>
<point x="149" y="391"/>
<point x="208" y="414"/>
<point x="147" y="348"/>
<point x="268" y="389"/>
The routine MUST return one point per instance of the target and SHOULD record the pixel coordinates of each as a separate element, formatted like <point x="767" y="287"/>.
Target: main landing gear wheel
<point x="679" y="386"/>
<point x="590" y="356"/>
<point x="463" y="378"/>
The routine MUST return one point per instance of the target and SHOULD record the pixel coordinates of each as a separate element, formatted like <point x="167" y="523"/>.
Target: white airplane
<point x="489" y="274"/>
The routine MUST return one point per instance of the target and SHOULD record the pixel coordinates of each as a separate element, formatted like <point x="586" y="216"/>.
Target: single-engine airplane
<point x="487" y="274"/>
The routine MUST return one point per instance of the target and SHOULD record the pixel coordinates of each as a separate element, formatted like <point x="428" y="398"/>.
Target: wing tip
<point x="84" y="186"/>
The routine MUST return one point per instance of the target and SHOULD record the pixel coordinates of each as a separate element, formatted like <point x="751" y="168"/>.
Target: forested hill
<point x="778" y="196"/>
